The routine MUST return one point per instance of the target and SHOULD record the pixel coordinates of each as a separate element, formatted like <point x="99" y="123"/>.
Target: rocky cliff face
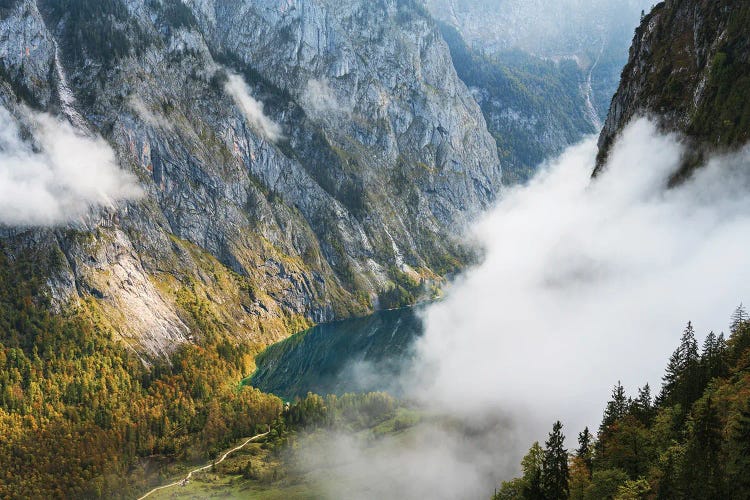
<point x="297" y="158"/>
<point x="534" y="108"/>
<point x="595" y="34"/>
<point x="689" y="68"/>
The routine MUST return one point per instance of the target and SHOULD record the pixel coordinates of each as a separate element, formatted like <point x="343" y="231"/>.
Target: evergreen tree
<point x="643" y="407"/>
<point x="668" y="488"/>
<point x="616" y="408"/>
<point x="585" y="449"/>
<point x="555" y="474"/>
<point x="739" y="455"/>
<point x="713" y="358"/>
<point x="702" y="472"/>
<point x="738" y="319"/>
<point x="682" y="381"/>
<point x="531" y="465"/>
<point x="739" y="338"/>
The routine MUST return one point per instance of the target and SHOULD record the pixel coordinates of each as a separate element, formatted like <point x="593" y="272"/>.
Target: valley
<point x="373" y="249"/>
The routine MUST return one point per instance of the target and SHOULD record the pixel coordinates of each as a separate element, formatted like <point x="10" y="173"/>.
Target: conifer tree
<point x="585" y="449"/>
<point x="702" y="472"/>
<point x="739" y="455"/>
<point x="555" y="473"/>
<point x="738" y="318"/>
<point x="668" y="488"/>
<point x="739" y="338"/>
<point x="532" y="465"/>
<point x="713" y="357"/>
<point x="682" y="380"/>
<point x="616" y="408"/>
<point x="643" y="407"/>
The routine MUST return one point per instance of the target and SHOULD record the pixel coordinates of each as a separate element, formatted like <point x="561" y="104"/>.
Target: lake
<point x="355" y="355"/>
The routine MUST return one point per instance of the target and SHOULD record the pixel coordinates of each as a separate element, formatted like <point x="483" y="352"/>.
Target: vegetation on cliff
<point x="80" y="414"/>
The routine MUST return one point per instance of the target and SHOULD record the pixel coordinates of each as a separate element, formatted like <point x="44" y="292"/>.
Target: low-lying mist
<point x="583" y="283"/>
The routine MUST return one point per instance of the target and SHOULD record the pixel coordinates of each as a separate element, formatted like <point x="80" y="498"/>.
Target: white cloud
<point x="60" y="177"/>
<point x="583" y="284"/>
<point x="238" y="90"/>
<point x="320" y="98"/>
<point x="149" y="117"/>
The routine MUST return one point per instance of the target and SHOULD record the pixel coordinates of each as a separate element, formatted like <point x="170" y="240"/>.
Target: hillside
<point x="688" y="441"/>
<point x="185" y="183"/>
<point x="534" y="107"/>
<point x="593" y="34"/>
<point x="689" y="68"/>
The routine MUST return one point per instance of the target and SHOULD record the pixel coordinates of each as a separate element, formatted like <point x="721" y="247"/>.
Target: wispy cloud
<point x="59" y="177"/>
<point x="238" y="90"/>
<point x="320" y="98"/>
<point x="149" y="117"/>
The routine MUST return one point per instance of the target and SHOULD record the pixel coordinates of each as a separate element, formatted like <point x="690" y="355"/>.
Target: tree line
<point x="691" y="441"/>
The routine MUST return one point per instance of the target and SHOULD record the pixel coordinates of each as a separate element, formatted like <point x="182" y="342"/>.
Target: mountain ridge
<point x="382" y="152"/>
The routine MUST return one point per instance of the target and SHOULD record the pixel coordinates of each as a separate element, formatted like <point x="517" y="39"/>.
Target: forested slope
<point x="690" y="441"/>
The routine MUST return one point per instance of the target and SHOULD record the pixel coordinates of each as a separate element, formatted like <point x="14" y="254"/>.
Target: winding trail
<point x="199" y="469"/>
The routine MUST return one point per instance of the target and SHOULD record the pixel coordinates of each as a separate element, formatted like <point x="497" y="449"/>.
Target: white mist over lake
<point x="583" y="283"/>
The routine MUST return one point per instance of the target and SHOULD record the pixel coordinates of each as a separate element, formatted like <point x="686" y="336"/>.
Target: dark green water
<point x="357" y="355"/>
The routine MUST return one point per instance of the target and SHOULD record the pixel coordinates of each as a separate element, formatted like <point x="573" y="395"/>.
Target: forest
<point x="689" y="441"/>
<point x="82" y="416"/>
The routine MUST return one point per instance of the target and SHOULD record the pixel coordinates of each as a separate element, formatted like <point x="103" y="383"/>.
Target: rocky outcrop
<point x="689" y="68"/>
<point x="297" y="157"/>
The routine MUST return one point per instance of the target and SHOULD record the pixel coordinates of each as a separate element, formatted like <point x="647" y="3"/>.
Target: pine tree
<point x="668" y="488"/>
<point x="713" y="358"/>
<point x="616" y="408"/>
<point x="643" y="407"/>
<point x="702" y="471"/>
<point x="738" y="318"/>
<point x="682" y="380"/>
<point x="585" y="449"/>
<point x="739" y="338"/>
<point x="555" y="473"/>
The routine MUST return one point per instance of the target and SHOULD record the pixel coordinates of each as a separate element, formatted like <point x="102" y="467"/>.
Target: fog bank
<point x="583" y="284"/>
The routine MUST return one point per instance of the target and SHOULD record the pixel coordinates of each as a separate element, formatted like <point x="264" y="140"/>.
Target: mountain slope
<point x="297" y="158"/>
<point x="533" y="107"/>
<point x="593" y="33"/>
<point x="690" y="68"/>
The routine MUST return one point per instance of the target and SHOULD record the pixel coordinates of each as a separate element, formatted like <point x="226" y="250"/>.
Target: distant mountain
<point x="689" y="68"/>
<point x="534" y="107"/>
<point x="596" y="34"/>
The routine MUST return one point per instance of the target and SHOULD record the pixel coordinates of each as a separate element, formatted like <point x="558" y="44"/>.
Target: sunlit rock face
<point x="294" y="157"/>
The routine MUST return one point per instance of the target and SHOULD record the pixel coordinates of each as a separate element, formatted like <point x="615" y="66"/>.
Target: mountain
<point x="689" y="68"/>
<point x="595" y="34"/>
<point x="542" y="73"/>
<point x="295" y="159"/>
<point x="534" y="107"/>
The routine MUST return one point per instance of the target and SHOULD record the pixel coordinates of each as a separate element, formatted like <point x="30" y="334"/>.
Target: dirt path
<point x="199" y="469"/>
